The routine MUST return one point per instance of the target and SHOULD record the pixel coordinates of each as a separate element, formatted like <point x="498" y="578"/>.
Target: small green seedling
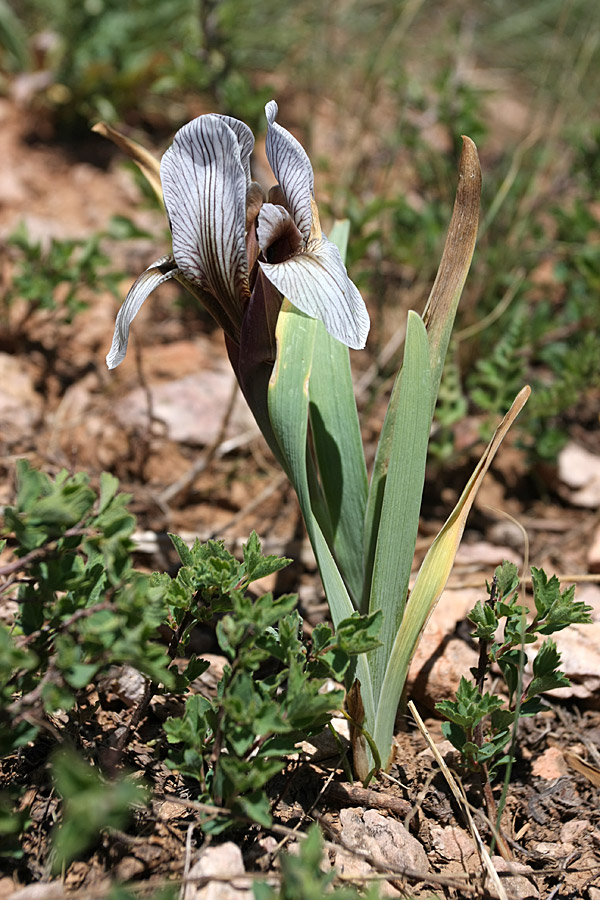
<point x="480" y="725"/>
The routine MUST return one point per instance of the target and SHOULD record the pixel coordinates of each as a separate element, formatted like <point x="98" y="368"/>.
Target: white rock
<point x="385" y="840"/>
<point x="222" y="861"/>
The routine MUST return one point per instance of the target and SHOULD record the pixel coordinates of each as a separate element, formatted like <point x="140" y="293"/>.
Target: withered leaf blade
<point x="148" y="165"/>
<point x="456" y="259"/>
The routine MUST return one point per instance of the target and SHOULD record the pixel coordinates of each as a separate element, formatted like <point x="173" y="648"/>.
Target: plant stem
<point x="478" y="736"/>
<point x="151" y="688"/>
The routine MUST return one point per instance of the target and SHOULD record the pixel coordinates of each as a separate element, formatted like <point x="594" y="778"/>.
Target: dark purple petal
<point x="276" y="226"/>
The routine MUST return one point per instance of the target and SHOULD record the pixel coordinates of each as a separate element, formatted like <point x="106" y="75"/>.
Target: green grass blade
<point x="13" y="36"/>
<point x="401" y="502"/>
<point x="338" y="445"/>
<point x="430" y="583"/>
<point x="288" y="411"/>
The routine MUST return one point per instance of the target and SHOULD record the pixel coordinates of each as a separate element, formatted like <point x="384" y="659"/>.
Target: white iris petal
<point x="317" y="283"/>
<point x="154" y="275"/>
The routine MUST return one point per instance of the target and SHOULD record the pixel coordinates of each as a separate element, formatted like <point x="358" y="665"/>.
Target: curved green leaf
<point x="288" y="410"/>
<point x="430" y="583"/>
<point x="401" y="503"/>
<point x="338" y="445"/>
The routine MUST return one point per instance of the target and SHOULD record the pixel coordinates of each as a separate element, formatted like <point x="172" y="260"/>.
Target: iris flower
<point x="241" y="251"/>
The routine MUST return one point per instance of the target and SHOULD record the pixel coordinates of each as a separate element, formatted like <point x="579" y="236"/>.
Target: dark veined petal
<point x="292" y="169"/>
<point x="317" y="283"/>
<point x="163" y="269"/>
<point x="204" y="186"/>
<point x="245" y="140"/>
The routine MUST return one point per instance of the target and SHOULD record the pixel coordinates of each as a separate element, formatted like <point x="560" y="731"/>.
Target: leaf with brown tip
<point x="148" y="165"/>
<point x="442" y="304"/>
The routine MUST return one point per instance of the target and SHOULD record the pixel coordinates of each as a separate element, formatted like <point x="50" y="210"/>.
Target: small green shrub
<point x="54" y="278"/>
<point x="479" y="724"/>
<point x="83" y="608"/>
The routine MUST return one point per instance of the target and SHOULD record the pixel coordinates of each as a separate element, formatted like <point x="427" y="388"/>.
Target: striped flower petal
<point x="292" y="169"/>
<point x="163" y="269"/>
<point x="204" y="185"/>
<point x="245" y="140"/>
<point x="317" y="283"/>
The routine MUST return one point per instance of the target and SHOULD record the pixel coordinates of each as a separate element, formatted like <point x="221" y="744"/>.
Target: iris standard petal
<point x="317" y="283"/>
<point x="163" y="269"/>
<point x="245" y="140"/>
<point x="292" y="169"/>
<point x="204" y="187"/>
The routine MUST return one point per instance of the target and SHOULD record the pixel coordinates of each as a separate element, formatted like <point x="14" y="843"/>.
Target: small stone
<point x="574" y="830"/>
<point x="223" y="862"/>
<point x="168" y="811"/>
<point x="554" y="850"/>
<point x="437" y="667"/>
<point x="593" y="557"/>
<point x="452" y="842"/>
<point x="580" y="471"/>
<point x="190" y="409"/>
<point x="20" y="406"/>
<point x="358" y="870"/>
<point x="517" y="886"/>
<point x="485" y="555"/>
<point x="126" y="683"/>
<point x="385" y="840"/>
<point x="550" y="765"/>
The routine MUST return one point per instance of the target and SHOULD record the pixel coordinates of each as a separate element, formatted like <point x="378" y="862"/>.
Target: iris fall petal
<point x="160" y="271"/>
<point x="317" y="283"/>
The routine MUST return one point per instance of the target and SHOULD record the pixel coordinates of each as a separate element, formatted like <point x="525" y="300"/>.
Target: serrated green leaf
<point x="258" y="566"/>
<point x="90" y="805"/>
<point x="183" y="551"/>
<point x="359" y="634"/>
<point x="256" y="807"/>
<point x="507" y="579"/>
<point x="109" y="485"/>
<point x="483" y="616"/>
<point x="321" y="637"/>
<point x="547" y="659"/>
<point x="454" y="732"/>
<point x="544" y="683"/>
<point x="556" y="610"/>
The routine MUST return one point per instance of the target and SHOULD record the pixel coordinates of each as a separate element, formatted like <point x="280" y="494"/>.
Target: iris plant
<point x="242" y="252"/>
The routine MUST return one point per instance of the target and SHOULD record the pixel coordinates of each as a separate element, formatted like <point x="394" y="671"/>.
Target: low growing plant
<point x="241" y="254"/>
<point x="51" y="278"/>
<point x="82" y="609"/>
<point x="303" y="877"/>
<point x="481" y="724"/>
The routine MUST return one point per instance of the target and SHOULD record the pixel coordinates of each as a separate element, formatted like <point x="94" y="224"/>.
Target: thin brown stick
<point x="41" y="552"/>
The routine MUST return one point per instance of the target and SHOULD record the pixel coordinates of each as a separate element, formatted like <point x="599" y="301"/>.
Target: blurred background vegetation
<point x="380" y="94"/>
